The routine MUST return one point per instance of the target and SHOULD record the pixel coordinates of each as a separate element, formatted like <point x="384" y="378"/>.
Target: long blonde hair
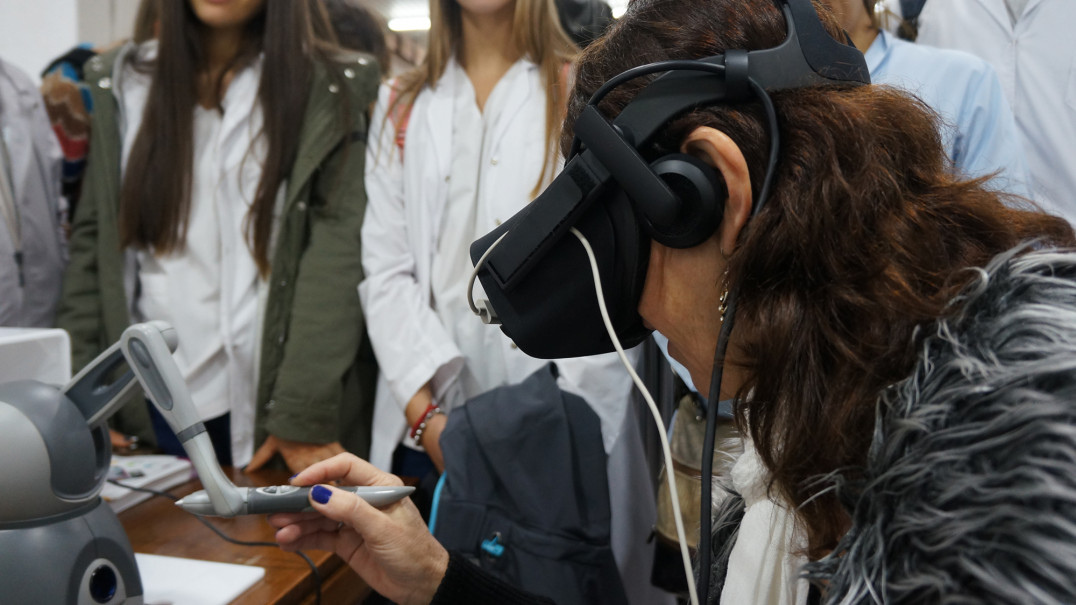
<point x="536" y="31"/>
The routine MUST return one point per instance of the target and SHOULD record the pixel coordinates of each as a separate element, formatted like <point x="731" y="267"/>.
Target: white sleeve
<point x="412" y="346"/>
<point x="604" y="382"/>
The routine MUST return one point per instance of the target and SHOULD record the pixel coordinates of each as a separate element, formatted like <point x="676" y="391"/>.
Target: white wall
<point x="34" y="32"/>
<point x="101" y="22"/>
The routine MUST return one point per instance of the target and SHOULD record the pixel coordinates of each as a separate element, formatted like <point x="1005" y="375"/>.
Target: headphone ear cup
<point x="701" y="192"/>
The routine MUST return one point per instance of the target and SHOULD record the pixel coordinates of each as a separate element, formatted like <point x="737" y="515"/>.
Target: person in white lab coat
<point x="1029" y="43"/>
<point x="32" y="246"/>
<point x="456" y="147"/>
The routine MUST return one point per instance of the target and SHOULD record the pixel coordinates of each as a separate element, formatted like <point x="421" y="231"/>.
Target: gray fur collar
<point x="969" y="494"/>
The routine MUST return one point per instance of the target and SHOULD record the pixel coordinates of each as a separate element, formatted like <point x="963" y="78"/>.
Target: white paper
<point x="178" y="581"/>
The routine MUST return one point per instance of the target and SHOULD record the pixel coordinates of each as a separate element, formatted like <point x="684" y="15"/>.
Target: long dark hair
<point x="865" y="239"/>
<point x="155" y="195"/>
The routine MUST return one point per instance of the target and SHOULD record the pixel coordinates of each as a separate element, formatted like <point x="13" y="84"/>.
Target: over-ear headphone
<point x="678" y="198"/>
<point x="700" y="194"/>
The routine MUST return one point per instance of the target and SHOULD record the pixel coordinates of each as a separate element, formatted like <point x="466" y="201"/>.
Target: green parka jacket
<point x="317" y="372"/>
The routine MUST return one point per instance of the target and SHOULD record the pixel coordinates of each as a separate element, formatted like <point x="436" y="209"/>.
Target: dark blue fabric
<point x="219" y="429"/>
<point x="910" y="9"/>
<point x="407" y="462"/>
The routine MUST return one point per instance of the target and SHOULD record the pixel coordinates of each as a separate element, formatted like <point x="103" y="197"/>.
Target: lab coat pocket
<point x="154" y="294"/>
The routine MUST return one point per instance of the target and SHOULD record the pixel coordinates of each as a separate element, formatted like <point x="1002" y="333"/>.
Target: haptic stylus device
<point x="148" y="349"/>
<point x="288" y="499"/>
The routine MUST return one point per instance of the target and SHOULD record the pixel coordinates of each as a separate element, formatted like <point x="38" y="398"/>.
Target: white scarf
<point x="762" y="567"/>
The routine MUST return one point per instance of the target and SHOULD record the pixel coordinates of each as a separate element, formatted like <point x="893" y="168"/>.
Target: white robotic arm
<point x="148" y="348"/>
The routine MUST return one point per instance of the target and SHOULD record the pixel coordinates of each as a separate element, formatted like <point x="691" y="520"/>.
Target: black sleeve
<point x="466" y="583"/>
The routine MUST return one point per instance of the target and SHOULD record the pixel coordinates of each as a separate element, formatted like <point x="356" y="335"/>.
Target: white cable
<point x="666" y="451"/>
<point x="474" y="274"/>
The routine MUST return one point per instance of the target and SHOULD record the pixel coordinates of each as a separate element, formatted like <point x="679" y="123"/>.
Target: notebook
<point x="154" y="472"/>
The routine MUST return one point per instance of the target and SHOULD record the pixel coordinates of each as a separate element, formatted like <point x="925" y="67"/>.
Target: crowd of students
<point x="250" y="172"/>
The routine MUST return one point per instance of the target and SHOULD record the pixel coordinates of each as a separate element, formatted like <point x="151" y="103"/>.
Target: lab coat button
<point x="281" y="339"/>
<point x="301" y="206"/>
<point x="333" y="88"/>
<point x="283" y="283"/>
<point x="497" y="222"/>
<point x="363" y="61"/>
<point x="513" y="345"/>
<point x="105" y="83"/>
<point x="493" y="161"/>
<point x="448" y="178"/>
<point x="349" y="73"/>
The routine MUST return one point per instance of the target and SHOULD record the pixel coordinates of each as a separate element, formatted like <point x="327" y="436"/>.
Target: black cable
<point x="227" y="538"/>
<point x="775" y="145"/>
<point x="705" y="514"/>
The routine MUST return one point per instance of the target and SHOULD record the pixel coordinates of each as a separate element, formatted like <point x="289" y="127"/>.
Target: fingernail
<point x="292" y="477"/>
<point x="321" y="494"/>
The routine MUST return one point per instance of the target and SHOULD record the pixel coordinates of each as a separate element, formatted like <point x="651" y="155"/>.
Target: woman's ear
<point x="718" y="150"/>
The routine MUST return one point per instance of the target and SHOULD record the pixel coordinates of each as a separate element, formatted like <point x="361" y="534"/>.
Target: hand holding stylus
<point x="391" y="548"/>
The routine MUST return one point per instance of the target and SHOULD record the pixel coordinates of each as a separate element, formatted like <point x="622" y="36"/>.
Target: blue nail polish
<point x="321" y="494"/>
<point x="293" y="476"/>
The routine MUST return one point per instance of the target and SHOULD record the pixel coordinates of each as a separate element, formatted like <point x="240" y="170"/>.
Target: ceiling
<point x="399" y="8"/>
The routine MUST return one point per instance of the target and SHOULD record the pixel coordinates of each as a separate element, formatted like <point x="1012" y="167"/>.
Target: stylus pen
<point x="287" y="499"/>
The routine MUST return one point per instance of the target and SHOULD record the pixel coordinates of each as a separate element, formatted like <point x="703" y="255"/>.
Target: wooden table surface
<point x="158" y="527"/>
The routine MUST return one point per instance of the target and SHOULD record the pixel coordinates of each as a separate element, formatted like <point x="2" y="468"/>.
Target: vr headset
<point x="537" y="276"/>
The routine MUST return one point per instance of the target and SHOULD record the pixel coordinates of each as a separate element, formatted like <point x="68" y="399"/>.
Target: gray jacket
<point x="30" y="160"/>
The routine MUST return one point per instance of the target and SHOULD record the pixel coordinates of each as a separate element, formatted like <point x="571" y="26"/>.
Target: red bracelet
<point x="428" y="413"/>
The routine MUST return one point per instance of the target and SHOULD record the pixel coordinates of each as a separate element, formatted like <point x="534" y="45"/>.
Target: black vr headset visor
<point x="537" y="275"/>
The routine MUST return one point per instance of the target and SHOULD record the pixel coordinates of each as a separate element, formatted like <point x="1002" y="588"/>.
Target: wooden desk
<point x="158" y="527"/>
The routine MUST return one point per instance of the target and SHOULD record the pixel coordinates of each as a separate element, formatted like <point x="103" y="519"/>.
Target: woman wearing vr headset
<point x="860" y="247"/>
<point x="457" y="146"/>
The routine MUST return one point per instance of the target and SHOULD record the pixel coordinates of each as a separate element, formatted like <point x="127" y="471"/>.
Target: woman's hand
<point x="297" y="454"/>
<point x="120" y="441"/>
<point x="390" y="548"/>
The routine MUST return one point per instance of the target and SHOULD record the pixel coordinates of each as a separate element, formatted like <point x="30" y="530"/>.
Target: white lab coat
<point x="1035" y="59"/>
<point x="210" y="291"/>
<point x="34" y="173"/>
<point x="400" y="235"/>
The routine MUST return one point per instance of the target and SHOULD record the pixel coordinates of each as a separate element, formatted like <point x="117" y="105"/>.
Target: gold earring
<point x="722" y="303"/>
